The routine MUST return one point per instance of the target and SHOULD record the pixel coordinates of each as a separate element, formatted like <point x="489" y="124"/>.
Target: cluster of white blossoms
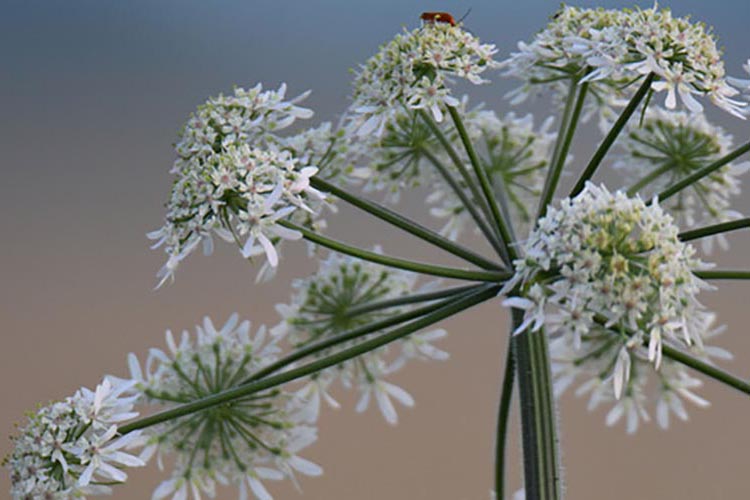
<point x="340" y="298"/>
<point x="72" y="449"/>
<point x="667" y="147"/>
<point x="614" y="49"/>
<point x="414" y="70"/>
<point x="241" y="442"/>
<point x="515" y="158"/>
<point x="237" y="179"/>
<point x="610" y="271"/>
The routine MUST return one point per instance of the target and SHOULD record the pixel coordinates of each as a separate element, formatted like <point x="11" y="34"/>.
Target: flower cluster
<point x="604" y="262"/>
<point x="71" y="448"/>
<point x="613" y="49"/>
<point x="344" y="295"/>
<point x="235" y="180"/>
<point x="239" y="442"/>
<point x="514" y="156"/>
<point x="669" y="146"/>
<point x="414" y="70"/>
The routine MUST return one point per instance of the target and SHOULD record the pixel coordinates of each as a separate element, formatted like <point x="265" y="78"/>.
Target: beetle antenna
<point x="464" y="16"/>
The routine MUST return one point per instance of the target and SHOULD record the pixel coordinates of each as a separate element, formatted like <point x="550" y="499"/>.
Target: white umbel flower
<point x="669" y="146"/>
<point x="415" y="70"/>
<point x="72" y="449"/>
<point x="614" y="49"/>
<point x="336" y="300"/>
<point x="605" y="264"/>
<point x="240" y="442"/>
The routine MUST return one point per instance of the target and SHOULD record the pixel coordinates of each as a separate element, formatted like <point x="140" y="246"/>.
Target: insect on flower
<point x="438" y="17"/>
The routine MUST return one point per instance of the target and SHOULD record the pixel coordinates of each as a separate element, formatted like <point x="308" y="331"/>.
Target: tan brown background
<point x="91" y="96"/>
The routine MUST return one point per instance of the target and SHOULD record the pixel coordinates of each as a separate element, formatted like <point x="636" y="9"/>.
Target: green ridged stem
<point x="417" y="267"/>
<point x="724" y="227"/>
<point x="405" y="224"/>
<point x="619" y="125"/>
<point x="503" y="415"/>
<point x="484" y="183"/>
<point x="570" y="119"/>
<point x="538" y="424"/>
<point x="486" y="292"/>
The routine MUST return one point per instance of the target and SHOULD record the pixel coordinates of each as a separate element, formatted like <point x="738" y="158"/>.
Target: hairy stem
<point x="538" y="425"/>
<point x="503" y="415"/>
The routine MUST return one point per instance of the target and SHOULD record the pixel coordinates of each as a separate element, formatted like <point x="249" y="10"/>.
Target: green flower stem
<point x="706" y="368"/>
<point x="468" y="204"/>
<point x="538" y="419"/>
<point x="409" y="299"/>
<point x="484" y="293"/>
<point x="465" y="175"/>
<point x="406" y="224"/>
<point x="622" y="120"/>
<point x="408" y="265"/>
<point x="489" y="196"/>
<point x="707" y="170"/>
<point x="723" y="275"/>
<point x="503" y="414"/>
<point x="459" y="164"/>
<point x="564" y="141"/>
<point x="648" y="179"/>
<point x="329" y="342"/>
<point x="724" y="227"/>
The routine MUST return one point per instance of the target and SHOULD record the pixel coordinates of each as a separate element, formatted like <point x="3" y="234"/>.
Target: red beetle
<point x="438" y="17"/>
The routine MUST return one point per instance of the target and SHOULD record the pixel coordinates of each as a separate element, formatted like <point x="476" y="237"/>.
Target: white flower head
<point x="341" y="297"/>
<point x="613" y="50"/>
<point x="415" y="70"/>
<point x="240" y="442"/>
<point x="236" y="178"/>
<point x="605" y="264"/>
<point x="72" y="448"/>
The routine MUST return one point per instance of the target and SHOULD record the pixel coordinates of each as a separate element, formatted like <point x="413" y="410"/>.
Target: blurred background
<point x="92" y="94"/>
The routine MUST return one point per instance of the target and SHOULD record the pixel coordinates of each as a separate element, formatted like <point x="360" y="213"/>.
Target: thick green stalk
<point x="622" y="120"/>
<point x="503" y="415"/>
<point x="538" y="424"/>
<point x="700" y="174"/>
<point x="468" y="204"/>
<point x="564" y="141"/>
<point x="329" y="342"/>
<point x="484" y="293"/>
<point x="405" y="224"/>
<point x="489" y="196"/>
<point x="417" y="267"/>
<point x="724" y="227"/>
<point x="722" y="274"/>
